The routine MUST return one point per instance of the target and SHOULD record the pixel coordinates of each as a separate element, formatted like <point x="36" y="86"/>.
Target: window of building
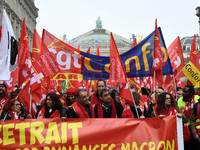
<point x="197" y="47"/>
<point x="184" y="47"/>
<point x="188" y="47"/>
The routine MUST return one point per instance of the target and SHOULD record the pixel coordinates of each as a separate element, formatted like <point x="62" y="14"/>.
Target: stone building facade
<point x="17" y="10"/>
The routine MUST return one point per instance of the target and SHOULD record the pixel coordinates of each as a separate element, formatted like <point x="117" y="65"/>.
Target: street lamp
<point x="198" y="15"/>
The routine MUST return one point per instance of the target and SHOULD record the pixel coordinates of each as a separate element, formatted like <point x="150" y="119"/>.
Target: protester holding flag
<point x="15" y="110"/>
<point x="52" y="107"/>
<point x="130" y="111"/>
<point x="144" y="101"/>
<point x="82" y="108"/>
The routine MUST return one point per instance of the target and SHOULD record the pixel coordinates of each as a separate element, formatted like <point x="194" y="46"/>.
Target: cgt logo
<point x="67" y="61"/>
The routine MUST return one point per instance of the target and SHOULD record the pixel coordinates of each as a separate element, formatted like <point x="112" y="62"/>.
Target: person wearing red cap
<point x="3" y="95"/>
<point x="71" y="97"/>
<point x="82" y="108"/>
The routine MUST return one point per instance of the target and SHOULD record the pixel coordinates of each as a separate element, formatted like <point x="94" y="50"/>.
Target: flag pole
<point x="30" y="103"/>
<point x="175" y="87"/>
<point x="173" y="80"/>
<point x="154" y="83"/>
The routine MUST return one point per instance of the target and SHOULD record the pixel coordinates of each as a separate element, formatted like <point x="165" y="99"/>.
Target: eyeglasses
<point x="17" y="104"/>
<point x="84" y="97"/>
<point x="168" y="98"/>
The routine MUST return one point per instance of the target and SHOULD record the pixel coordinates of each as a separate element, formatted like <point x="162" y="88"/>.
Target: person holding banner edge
<point x="185" y="104"/>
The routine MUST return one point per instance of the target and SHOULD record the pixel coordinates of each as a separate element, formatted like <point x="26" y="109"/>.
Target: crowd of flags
<point x="33" y="74"/>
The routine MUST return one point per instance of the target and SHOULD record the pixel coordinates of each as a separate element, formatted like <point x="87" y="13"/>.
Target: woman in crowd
<point x="52" y="107"/>
<point x="14" y="111"/>
<point x="166" y="106"/>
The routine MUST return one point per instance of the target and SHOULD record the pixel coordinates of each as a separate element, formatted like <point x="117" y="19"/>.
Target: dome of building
<point x="100" y="37"/>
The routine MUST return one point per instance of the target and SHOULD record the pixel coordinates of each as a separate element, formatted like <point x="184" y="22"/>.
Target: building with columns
<point x="100" y="37"/>
<point x="17" y="10"/>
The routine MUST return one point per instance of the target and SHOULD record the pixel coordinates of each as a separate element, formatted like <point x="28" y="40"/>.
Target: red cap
<point x="71" y="91"/>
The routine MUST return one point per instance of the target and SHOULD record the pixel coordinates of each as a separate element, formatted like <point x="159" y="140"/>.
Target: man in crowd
<point x="185" y="104"/>
<point x="101" y="84"/>
<point x="179" y="93"/>
<point x="106" y="106"/>
<point x="158" y="91"/>
<point x="3" y="95"/>
<point x="82" y="107"/>
<point x="195" y="124"/>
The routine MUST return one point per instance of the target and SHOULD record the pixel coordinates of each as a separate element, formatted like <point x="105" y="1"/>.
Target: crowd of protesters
<point x="107" y="103"/>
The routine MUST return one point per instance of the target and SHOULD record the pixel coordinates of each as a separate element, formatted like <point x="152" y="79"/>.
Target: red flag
<point x="134" y="43"/>
<point x="24" y="59"/>
<point x="117" y="72"/>
<point x="177" y="61"/>
<point x="135" y="82"/>
<point x="67" y="57"/>
<point x="158" y="61"/>
<point x="98" y="52"/>
<point x="44" y="67"/>
<point x="88" y="51"/>
<point x="148" y="83"/>
<point x="170" y="85"/>
<point x="193" y="56"/>
<point x="24" y="96"/>
<point x="176" y="57"/>
<point x="193" y="51"/>
<point x="13" y="80"/>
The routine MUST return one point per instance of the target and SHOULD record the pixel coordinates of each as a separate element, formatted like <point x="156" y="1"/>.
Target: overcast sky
<point x="122" y="17"/>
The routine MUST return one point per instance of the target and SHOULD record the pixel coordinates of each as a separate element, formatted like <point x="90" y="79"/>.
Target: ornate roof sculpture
<point x="101" y="37"/>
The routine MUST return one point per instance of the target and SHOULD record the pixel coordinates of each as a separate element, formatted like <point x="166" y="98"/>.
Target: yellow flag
<point x="192" y="73"/>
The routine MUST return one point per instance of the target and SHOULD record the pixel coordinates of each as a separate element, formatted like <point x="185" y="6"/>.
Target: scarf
<point x="14" y="115"/>
<point x="100" y="109"/>
<point x="127" y="113"/>
<point x="94" y="99"/>
<point x="172" y="111"/>
<point x="41" y="113"/>
<point x="188" y="106"/>
<point x="81" y="112"/>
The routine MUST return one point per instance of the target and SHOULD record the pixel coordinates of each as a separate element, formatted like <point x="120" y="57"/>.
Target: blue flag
<point x="137" y="61"/>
